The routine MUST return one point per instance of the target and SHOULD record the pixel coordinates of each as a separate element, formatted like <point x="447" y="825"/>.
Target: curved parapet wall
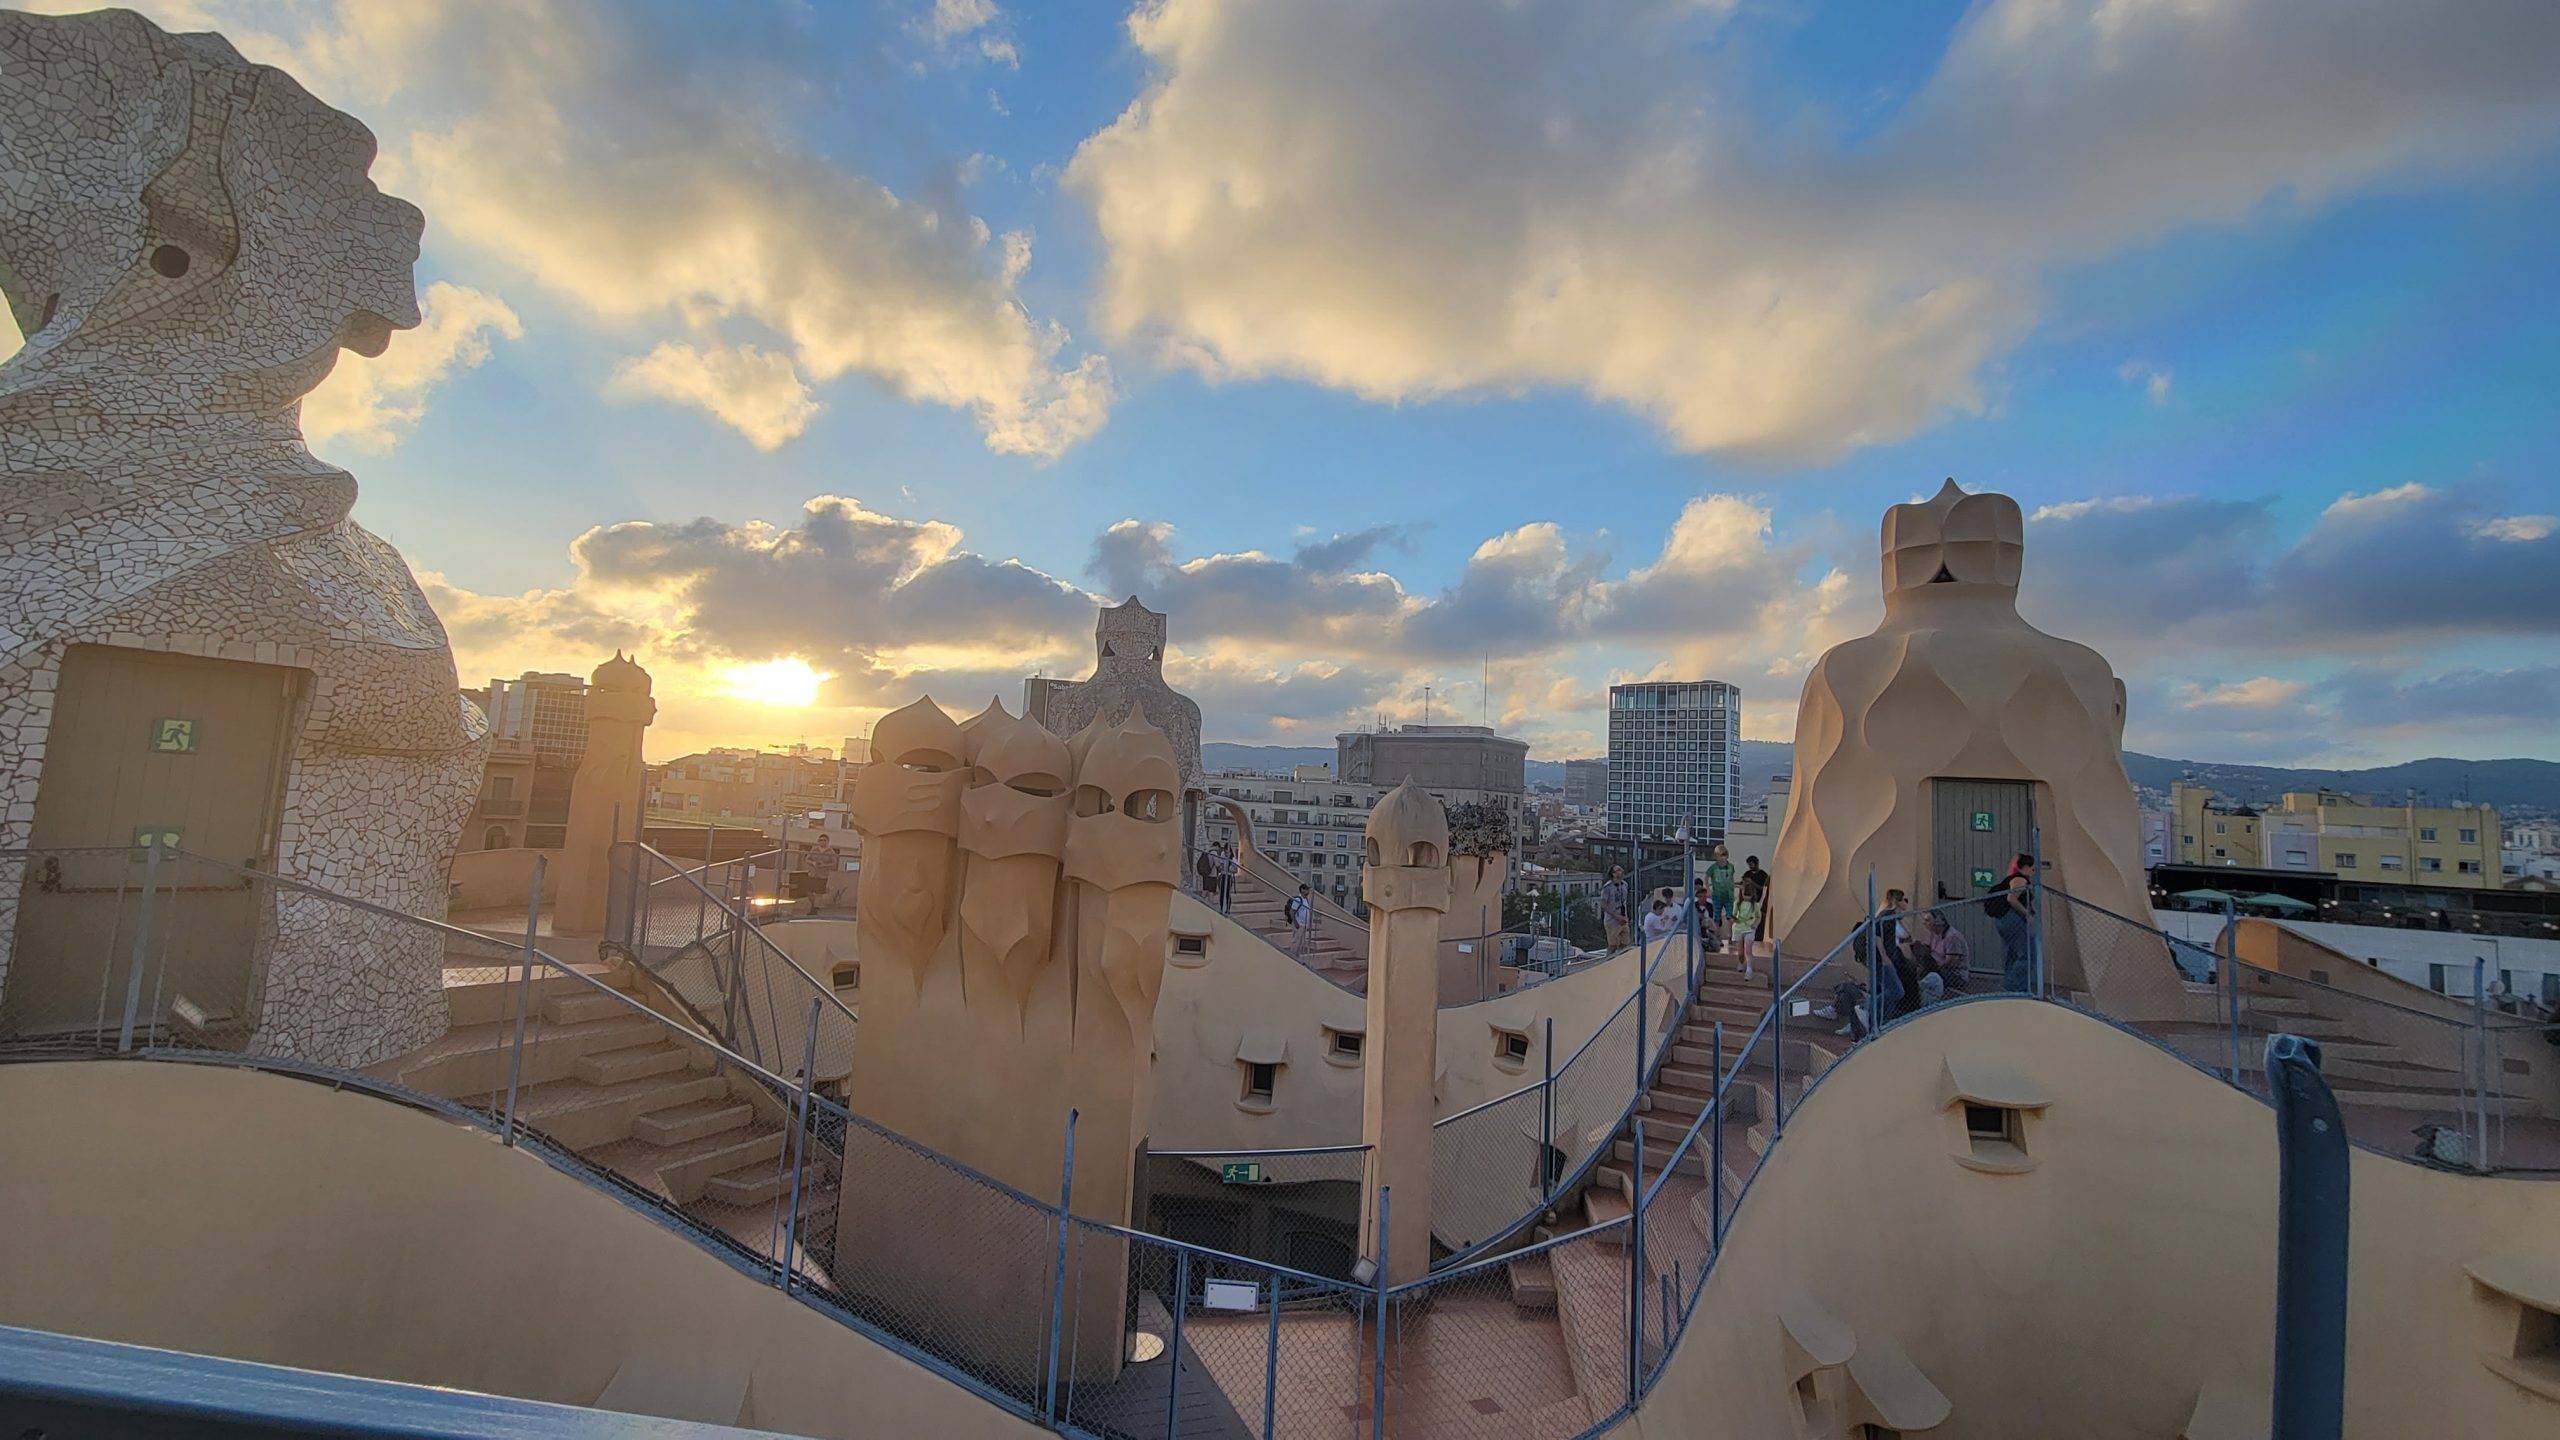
<point x="188" y="241"/>
<point x="1953" y="685"/>
<point x="230" y="1212"/>
<point x="2110" y="1272"/>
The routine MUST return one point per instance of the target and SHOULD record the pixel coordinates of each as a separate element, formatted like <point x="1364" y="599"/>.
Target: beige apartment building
<point x="739" y="784"/>
<point x="2353" y="836"/>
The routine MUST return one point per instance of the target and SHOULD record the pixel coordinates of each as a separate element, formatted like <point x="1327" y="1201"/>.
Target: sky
<point x="1464" y="354"/>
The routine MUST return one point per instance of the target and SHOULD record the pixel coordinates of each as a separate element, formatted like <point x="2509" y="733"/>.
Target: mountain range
<point x="2517" y="786"/>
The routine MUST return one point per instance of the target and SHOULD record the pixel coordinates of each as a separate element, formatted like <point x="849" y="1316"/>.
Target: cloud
<point x="1443" y="198"/>
<point x="977" y="24"/>
<point x="2410" y="564"/>
<point x="756" y="392"/>
<point x="2154" y="379"/>
<point x="368" y="405"/>
<point x="650" y="175"/>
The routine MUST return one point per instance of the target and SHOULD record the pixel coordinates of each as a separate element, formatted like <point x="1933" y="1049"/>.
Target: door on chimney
<point x="145" y="744"/>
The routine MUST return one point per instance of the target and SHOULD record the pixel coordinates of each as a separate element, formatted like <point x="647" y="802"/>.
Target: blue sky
<point x="1606" y="329"/>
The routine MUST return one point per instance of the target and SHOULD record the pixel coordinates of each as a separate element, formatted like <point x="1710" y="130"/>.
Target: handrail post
<point x="799" y="1148"/>
<point x="2480" y="1048"/>
<point x="1270" y="1365"/>
<point x="524" y="996"/>
<point x="2312" y="1217"/>
<point x="1378" y="1372"/>
<point x="1875" y="961"/>
<point x="1635" y="1274"/>
<point x="1548" y="1170"/>
<point x="2230" y="959"/>
<point x="1173" y="1345"/>
<point x="1715" y="1148"/>
<point x="1778" y="1033"/>
<point x="141" y="942"/>
<point x="2035" y="914"/>
<point x="1058" y="1273"/>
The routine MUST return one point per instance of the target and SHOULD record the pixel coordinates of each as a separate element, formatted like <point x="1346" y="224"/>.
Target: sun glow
<point x="789" y="682"/>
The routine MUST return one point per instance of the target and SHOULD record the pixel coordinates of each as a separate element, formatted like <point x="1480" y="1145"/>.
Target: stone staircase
<point x="1263" y="909"/>
<point x="623" y="1091"/>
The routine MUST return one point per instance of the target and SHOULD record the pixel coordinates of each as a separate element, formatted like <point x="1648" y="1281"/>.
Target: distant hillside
<point x="2516" y="785"/>
<point x="2508" y="784"/>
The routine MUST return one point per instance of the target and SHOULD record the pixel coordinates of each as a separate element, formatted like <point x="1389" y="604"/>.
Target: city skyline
<point x="823" y="356"/>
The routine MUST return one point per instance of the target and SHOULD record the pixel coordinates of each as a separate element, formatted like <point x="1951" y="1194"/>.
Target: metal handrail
<point x="826" y="992"/>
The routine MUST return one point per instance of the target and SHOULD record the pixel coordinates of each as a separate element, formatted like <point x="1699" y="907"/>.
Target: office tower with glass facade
<point x="1675" y="758"/>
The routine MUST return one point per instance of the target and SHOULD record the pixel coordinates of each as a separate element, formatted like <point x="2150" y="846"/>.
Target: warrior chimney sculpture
<point x="1954" y="733"/>
<point x="1015" y="894"/>
<point x="187" y="241"/>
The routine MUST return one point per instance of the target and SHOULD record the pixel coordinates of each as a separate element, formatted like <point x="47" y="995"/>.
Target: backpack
<point x="1205" y="867"/>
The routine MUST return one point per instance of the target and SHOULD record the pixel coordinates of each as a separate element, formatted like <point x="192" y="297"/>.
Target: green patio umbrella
<point x="2272" y="901"/>
<point x="2204" y="897"/>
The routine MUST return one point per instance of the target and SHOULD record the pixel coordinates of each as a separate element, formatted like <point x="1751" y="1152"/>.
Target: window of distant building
<point x="2469" y="837"/>
<point x="2468" y="867"/>
<point x="2346" y="859"/>
<point x="2389" y="862"/>
<point x="2430" y="864"/>
<point x="2426" y="832"/>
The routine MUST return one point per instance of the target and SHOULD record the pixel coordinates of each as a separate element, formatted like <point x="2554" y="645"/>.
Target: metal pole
<point x="1875" y="961"/>
<point x="141" y="943"/>
<point x="524" y="996"/>
<point x="1058" y="1273"/>
<point x="1270" y="1364"/>
<point x="1378" y="1373"/>
<point x="799" y="1144"/>
<point x="1173" y="1347"/>
<point x="2480" y="1045"/>
<point x="2035" y="899"/>
<point x="2311" y="1245"/>
<point x="1635" y="1274"/>
<point x="1715" y="1148"/>
<point x="1547" y="1167"/>
<point x="2231" y="1001"/>
<point x="1777" y="1033"/>
<point x="1689" y="896"/>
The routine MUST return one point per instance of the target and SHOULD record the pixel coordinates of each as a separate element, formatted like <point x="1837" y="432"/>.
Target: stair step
<point x="577" y="1009"/>
<point x="749" y="1185"/>
<point x="611" y="1067"/>
<point x="1693" y="1163"/>
<point x="1533" y="1283"/>
<point x="582" y="1116"/>
<point x="1602" y="1204"/>
<point x="696" y="1121"/>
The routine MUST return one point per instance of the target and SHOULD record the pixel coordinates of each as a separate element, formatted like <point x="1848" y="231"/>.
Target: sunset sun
<point x="787" y="682"/>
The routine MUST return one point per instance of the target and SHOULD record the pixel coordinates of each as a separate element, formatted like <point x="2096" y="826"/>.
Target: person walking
<point x="1204" y="868"/>
<point x="1746" y="920"/>
<point x="1613" y="909"/>
<point x="1302" y="919"/>
<point x="2015" y="920"/>
<point x="1753" y="874"/>
<point x="1720" y="882"/>
<point x="1227" y="866"/>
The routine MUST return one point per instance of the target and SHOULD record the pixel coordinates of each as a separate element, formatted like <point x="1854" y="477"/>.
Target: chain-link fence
<point x="1294" y="1207"/>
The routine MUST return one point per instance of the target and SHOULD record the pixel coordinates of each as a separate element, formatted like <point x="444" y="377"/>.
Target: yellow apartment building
<point x="2354" y="836"/>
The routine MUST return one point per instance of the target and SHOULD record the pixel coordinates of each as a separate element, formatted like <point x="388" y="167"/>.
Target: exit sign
<point x="1241" y="1172"/>
<point x="1982" y="875"/>
<point x="173" y="737"/>
<point x="1982" y="821"/>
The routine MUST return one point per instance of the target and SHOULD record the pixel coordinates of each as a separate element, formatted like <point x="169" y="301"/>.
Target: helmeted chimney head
<point x="1407" y="844"/>
<point x="1953" y="539"/>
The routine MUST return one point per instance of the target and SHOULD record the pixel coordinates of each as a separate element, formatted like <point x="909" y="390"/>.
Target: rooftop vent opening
<point x="171" y="261"/>
<point x="1944" y="576"/>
